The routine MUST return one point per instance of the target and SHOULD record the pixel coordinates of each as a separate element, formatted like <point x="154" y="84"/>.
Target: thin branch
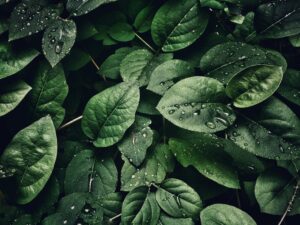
<point x="144" y="42"/>
<point x="238" y="198"/>
<point x="291" y="202"/>
<point x="164" y="130"/>
<point x="97" y="67"/>
<point x="70" y="123"/>
<point x="115" y="217"/>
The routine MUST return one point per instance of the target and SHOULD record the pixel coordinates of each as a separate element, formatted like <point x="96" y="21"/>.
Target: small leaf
<point x="32" y="152"/>
<point x="165" y="75"/>
<point x="143" y="20"/>
<point x="58" y="39"/>
<point x="76" y="60"/>
<point x="254" y="85"/>
<point x="178" y="24"/>
<point x="206" y="155"/>
<point x="88" y="173"/>
<point x="274" y="190"/>
<point x="139" y="65"/>
<point x="140" y="207"/>
<point x="49" y="90"/>
<point x="110" y="113"/>
<point x="295" y="40"/>
<point x="178" y="199"/>
<point x="111" y="66"/>
<point x="122" y="32"/>
<point x="11" y="62"/>
<point x="81" y="7"/>
<point x="30" y="17"/>
<point x="226" y="215"/>
<point x="189" y="104"/>
<point x="139" y="139"/>
<point x="226" y="60"/>
<point x="290" y="86"/>
<point x="278" y="19"/>
<point x="11" y="95"/>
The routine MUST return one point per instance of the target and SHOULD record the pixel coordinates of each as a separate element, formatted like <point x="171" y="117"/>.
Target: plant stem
<point x="144" y="42"/>
<point x="97" y="67"/>
<point x="70" y="123"/>
<point x="290" y="204"/>
<point x="115" y="217"/>
<point x="164" y="130"/>
<point x="238" y="199"/>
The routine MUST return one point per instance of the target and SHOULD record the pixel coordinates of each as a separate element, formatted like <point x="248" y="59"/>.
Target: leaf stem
<point x="97" y="67"/>
<point x="70" y="123"/>
<point x="291" y="202"/>
<point x="144" y="42"/>
<point x="115" y="217"/>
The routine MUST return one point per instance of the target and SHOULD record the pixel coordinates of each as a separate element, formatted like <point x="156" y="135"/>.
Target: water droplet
<point x="197" y="112"/>
<point x="281" y="148"/>
<point x="171" y="111"/>
<point x="211" y="125"/>
<point x="58" y="48"/>
<point x="65" y="221"/>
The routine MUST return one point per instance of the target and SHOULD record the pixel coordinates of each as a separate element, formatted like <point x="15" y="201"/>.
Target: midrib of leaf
<point x="44" y="83"/>
<point x="280" y="20"/>
<point x="187" y="13"/>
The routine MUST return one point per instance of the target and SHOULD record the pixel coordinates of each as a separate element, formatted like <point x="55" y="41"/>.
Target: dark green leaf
<point x="290" y="86"/>
<point x="166" y="220"/>
<point x="122" y="32"/>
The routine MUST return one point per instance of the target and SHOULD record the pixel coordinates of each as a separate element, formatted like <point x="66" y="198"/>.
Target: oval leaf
<point x="110" y="113"/>
<point x="191" y="105"/>
<point x="32" y="152"/>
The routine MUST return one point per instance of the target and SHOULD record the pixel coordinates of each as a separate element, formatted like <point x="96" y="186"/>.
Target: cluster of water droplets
<point x="5" y="172"/>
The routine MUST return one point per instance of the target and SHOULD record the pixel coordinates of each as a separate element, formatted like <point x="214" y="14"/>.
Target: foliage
<point x="138" y="112"/>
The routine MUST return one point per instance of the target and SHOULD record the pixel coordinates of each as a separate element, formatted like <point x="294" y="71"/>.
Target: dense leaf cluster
<point x="191" y="117"/>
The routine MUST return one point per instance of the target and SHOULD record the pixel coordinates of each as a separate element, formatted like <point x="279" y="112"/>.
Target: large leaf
<point x="178" y="24"/>
<point x="110" y="113"/>
<point x="272" y="133"/>
<point x="88" y="172"/>
<point x="254" y="85"/>
<point x="196" y="104"/>
<point x="81" y="7"/>
<point x="178" y="199"/>
<point x="139" y="138"/>
<point x="225" y="60"/>
<point x="274" y="190"/>
<point x="32" y="152"/>
<point x="290" y="86"/>
<point x="278" y="19"/>
<point x="30" y="17"/>
<point x="49" y="90"/>
<point x="139" y="65"/>
<point x="11" y="95"/>
<point x="58" y="40"/>
<point x="157" y="164"/>
<point x="12" y="62"/>
<point x="207" y="156"/>
<point x="140" y="207"/>
<point x="226" y="215"/>
<point x="165" y="75"/>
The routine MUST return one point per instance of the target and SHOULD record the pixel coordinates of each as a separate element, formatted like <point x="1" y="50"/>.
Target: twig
<point x="115" y="217"/>
<point x="70" y="123"/>
<point x="97" y="67"/>
<point x="290" y="204"/>
<point x="144" y="42"/>
<point x="238" y="199"/>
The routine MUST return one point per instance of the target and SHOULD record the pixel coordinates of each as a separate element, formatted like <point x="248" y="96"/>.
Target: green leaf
<point x="81" y="7"/>
<point x="76" y="60"/>
<point x="122" y="32"/>
<point x="110" y="113"/>
<point x="157" y="164"/>
<point x="139" y="65"/>
<point x="11" y="95"/>
<point x="12" y="62"/>
<point x="274" y="190"/>
<point x="140" y="207"/>
<point x="178" y="199"/>
<point x="143" y="20"/>
<point x="215" y="4"/>
<point x="165" y="75"/>
<point x="178" y="24"/>
<point x="226" y="215"/>
<point x="272" y="133"/>
<point x="32" y="152"/>
<point x="30" y="17"/>
<point x="189" y="104"/>
<point x="295" y="40"/>
<point x="254" y="85"/>
<point x="111" y="205"/>
<point x="88" y="172"/>
<point x="49" y="90"/>
<point x="111" y="66"/>
<point x="166" y="220"/>
<point x="226" y="60"/>
<point x="58" y="39"/>
<point x="278" y="19"/>
<point x="206" y="155"/>
<point x="290" y="86"/>
<point x="139" y="138"/>
<point x="148" y="103"/>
